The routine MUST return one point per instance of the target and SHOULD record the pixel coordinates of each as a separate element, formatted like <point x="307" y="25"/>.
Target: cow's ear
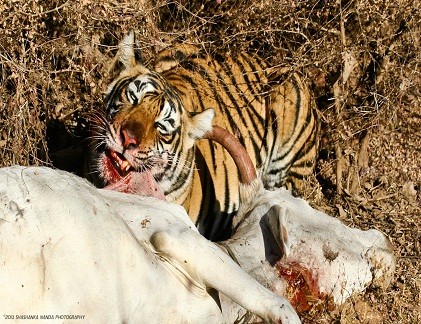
<point x="275" y="221"/>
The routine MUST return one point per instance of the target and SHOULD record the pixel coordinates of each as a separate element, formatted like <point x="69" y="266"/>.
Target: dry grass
<point x="361" y="58"/>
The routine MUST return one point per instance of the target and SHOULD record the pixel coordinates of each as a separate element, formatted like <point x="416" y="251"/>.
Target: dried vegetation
<point x="362" y="60"/>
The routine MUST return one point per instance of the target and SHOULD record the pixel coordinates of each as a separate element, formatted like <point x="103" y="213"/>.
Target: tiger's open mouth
<point x="119" y="162"/>
<point x="121" y="176"/>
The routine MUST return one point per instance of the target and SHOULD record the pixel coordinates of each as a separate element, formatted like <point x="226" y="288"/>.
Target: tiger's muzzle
<point x="121" y="176"/>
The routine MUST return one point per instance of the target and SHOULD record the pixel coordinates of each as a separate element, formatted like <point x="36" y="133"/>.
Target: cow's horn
<point x="237" y="151"/>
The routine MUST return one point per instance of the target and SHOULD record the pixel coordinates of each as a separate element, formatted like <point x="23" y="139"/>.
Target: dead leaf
<point x="409" y="191"/>
<point x="349" y="64"/>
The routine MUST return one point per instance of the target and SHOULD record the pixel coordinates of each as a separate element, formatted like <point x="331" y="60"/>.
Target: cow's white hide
<point x="335" y="260"/>
<point x="67" y="248"/>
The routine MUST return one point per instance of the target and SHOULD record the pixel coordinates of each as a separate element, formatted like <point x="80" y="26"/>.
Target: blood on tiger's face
<point x="146" y="128"/>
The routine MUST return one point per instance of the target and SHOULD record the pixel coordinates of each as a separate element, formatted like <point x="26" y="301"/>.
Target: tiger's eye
<point x="161" y="129"/>
<point x="131" y="97"/>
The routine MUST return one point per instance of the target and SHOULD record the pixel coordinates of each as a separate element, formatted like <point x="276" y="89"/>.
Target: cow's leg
<point x="207" y="264"/>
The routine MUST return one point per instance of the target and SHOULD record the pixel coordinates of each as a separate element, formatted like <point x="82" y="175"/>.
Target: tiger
<point x="155" y="117"/>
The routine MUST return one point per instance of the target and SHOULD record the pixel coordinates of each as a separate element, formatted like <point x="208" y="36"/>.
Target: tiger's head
<point x="146" y="127"/>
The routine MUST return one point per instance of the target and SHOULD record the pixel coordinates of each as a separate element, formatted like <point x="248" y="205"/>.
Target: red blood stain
<point x="302" y="290"/>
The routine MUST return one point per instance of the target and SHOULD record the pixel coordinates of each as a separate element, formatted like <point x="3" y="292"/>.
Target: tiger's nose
<point x="129" y="140"/>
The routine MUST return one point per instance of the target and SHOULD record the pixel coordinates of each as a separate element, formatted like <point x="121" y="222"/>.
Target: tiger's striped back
<point x="269" y="110"/>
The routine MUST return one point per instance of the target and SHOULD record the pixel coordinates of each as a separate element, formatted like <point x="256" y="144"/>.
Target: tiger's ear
<point x="198" y="124"/>
<point x="126" y="58"/>
<point x="126" y="54"/>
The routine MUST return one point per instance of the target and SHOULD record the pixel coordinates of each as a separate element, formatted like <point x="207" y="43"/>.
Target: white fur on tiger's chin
<point x="141" y="183"/>
<point x="138" y="183"/>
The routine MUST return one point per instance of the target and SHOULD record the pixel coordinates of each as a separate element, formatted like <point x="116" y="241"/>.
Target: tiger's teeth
<point x="125" y="165"/>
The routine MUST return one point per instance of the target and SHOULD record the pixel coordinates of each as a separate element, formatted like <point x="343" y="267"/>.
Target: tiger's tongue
<point x="138" y="183"/>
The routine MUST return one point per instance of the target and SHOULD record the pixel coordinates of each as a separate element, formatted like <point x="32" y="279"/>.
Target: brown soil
<point x="362" y="60"/>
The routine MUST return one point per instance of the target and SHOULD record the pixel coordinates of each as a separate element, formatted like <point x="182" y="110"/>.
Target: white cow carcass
<point x="305" y="254"/>
<point x="69" y="249"/>
<point x="295" y="250"/>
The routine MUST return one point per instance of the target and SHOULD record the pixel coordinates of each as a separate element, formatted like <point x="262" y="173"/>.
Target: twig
<point x="44" y="12"/>
<point x="383" y="197"/>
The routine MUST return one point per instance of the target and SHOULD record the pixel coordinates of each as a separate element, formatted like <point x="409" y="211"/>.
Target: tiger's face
<point x="144" y="124"/>
<point x="146" y="128"/>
